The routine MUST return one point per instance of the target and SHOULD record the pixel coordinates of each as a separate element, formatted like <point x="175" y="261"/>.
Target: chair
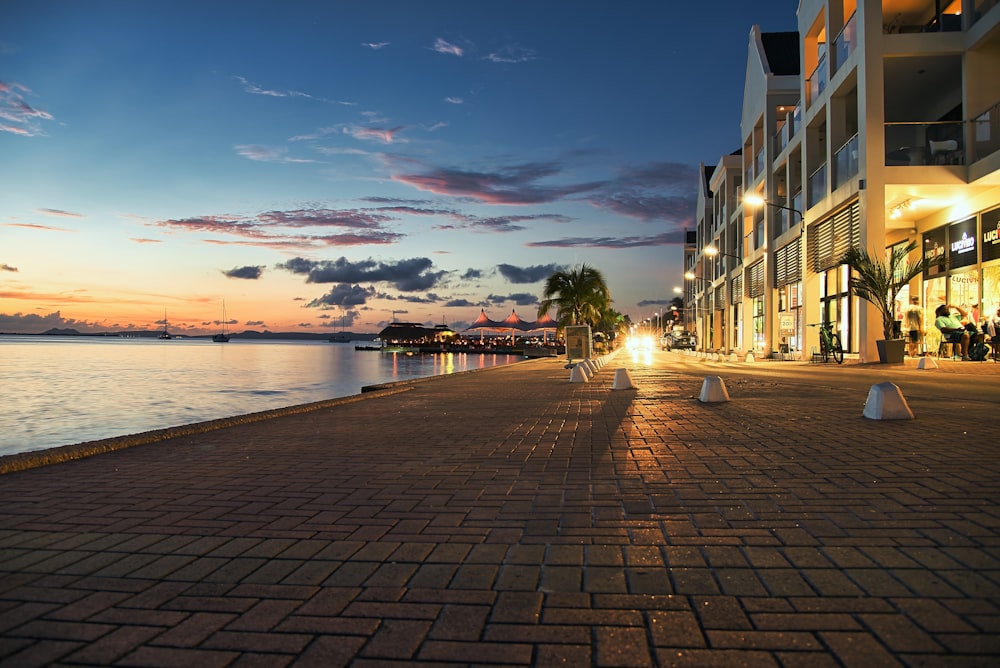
<point x="944" y="152"/>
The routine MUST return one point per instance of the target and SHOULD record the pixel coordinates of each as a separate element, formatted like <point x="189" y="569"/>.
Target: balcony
<point x="938" y="143"/>
<point x="986" y="133"/>
<point x="758" y="162"/>
<point x="919" y="16"/>
<point x="844" y="45"/>
<point x="816" y="83"/>
<point x="817" y="185"/>
<point x="787" y="129"/>
<point x="845" y="162"/>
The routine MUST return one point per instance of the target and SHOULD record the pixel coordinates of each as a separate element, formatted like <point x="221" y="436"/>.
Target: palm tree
<point x="879" y="281"/>
<point x="580" y="296"/>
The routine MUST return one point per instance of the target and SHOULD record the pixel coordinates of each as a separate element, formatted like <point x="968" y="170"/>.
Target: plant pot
<point x="891" y="351"/>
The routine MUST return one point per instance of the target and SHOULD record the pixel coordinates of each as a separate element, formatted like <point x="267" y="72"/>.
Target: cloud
<point x="410" y="275"/>
<point x="461" y="303"/>
<point x="519" y="299"/>
<point x="666" y="239"/>
<point x="16" y="115"/>
<point x="381" y="135"/>
<point x="267" y="154"/>
<point x="59" y="214"/>
<point x="515" y="184"/>
<point x="441" y="46"/>
<point x="375" y="46"/>
<point x="454" y="100"/>
<point x="143" y="240"/>
<point x="31" y="323"/>
<point x="653" y="302"/>
<point x="472" y="274"/>
<point x="512" y="54"/>
<point x="36" y="226"/>
<point x="7" y="267"/>
<point x="249" y="272"/>
<point x="343" y="294"/>
<point x="528" y="274"/>
<point x="284" y="228"/>
<point x="655" y="191"/>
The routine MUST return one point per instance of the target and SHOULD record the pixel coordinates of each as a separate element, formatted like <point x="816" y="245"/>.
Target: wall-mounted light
<point x="906" y="205"/>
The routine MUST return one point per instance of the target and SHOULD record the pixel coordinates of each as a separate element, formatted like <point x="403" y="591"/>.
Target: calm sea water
<point x="59" y="391"/>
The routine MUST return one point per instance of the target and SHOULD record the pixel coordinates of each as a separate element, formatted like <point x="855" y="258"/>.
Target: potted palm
<point x="879" y="281"/>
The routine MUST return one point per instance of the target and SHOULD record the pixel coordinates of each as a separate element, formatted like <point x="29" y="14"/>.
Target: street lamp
<point x="756" y="201"/>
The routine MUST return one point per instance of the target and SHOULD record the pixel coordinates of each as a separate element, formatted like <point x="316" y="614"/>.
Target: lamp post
<point x="757" y="201"/>
<point x="699" y="312"/>
<point x="754" y="200"/>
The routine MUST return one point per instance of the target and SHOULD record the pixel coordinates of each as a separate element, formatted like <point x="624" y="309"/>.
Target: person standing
<point x="913" y="319"/>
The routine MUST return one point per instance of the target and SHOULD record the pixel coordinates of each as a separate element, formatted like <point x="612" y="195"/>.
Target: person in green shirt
<point x="952" y="329"/>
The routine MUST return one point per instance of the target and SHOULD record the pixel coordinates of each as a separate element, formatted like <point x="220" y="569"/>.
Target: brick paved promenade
<point x="510" y="517"/>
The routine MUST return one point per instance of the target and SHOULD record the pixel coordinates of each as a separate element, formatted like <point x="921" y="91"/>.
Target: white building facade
<point x="876" y="124"/>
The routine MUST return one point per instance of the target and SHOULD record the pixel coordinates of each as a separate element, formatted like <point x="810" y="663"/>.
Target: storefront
<point x="964" y="266"/>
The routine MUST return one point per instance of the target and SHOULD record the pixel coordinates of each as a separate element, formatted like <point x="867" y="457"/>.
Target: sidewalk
<point x="510" y="517"/>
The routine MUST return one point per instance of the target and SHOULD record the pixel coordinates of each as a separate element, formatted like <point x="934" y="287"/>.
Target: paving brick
<point x="574" y="525"/>
<point x="108" y="649"/>
<point x="622" y="646"/>
<point x="192" y="630"/>
<point x="858" y="649"/>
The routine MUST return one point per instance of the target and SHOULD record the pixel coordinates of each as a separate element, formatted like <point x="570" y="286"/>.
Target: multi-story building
<point x="876" y="124"/>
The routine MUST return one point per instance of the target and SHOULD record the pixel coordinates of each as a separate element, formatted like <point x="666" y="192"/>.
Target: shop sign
<point x="962" y="244"/>
<point x="934" y="252"/>
<point x="991" y="235"/>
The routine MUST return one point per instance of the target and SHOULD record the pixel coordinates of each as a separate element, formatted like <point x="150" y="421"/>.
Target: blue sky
<point x="328" y="164"/>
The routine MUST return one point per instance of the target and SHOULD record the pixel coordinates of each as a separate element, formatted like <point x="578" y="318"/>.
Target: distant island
<point x="247" y="335"/>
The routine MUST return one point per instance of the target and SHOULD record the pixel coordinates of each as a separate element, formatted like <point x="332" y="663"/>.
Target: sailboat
<point x="223" y="336"/>
<point x="341" y="336"/>
<point x="165" y="334"/>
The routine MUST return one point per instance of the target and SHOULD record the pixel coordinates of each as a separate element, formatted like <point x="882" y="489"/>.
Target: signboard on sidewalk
<point x="579" y="342"/>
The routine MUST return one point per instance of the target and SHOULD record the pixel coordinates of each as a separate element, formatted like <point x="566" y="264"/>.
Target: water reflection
<point x="58" y="391"/>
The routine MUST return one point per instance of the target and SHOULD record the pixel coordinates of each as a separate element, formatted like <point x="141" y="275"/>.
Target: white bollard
<point x="713" y="390"/>
<point x="927" y="363"/>
<point x="749" y="357"/>
<point x="886" y="402"/>
<point x="733" y="357"/>
<point x="578" y="375"/>
<point x="622" y="380"/>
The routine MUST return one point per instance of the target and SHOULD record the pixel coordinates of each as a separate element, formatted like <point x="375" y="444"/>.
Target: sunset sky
<point x="320" y="165"/>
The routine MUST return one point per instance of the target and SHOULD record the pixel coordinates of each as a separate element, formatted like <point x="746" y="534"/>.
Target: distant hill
<point x="249" y="335"/>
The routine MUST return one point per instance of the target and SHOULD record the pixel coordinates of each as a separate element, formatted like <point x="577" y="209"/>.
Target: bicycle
<point x="829" y="343"/>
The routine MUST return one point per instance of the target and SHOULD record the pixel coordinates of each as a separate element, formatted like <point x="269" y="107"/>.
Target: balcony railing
<point x="797" y="203"/>
<point x="817" y="185"/>
<point x="986" y="133"/>
<point x="816" y="83"/>
<point x="844" y="45"/>
<point x="981" y="7"/>
<point x="758" y="162"/>
<point x="845" y="162"/>
<point x="938" y="143"/>
<point x="786" y="130"/>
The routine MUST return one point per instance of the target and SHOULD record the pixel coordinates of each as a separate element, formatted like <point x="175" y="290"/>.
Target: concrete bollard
<point x="578" y="375"/>
<point x="713" y="390"/>
<point x="927" y="363"/>
<point x="622" y="380"/>
<point x="733" y="357"/>
<point x="749" y="358"/>
<point x="886" y="402"/>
